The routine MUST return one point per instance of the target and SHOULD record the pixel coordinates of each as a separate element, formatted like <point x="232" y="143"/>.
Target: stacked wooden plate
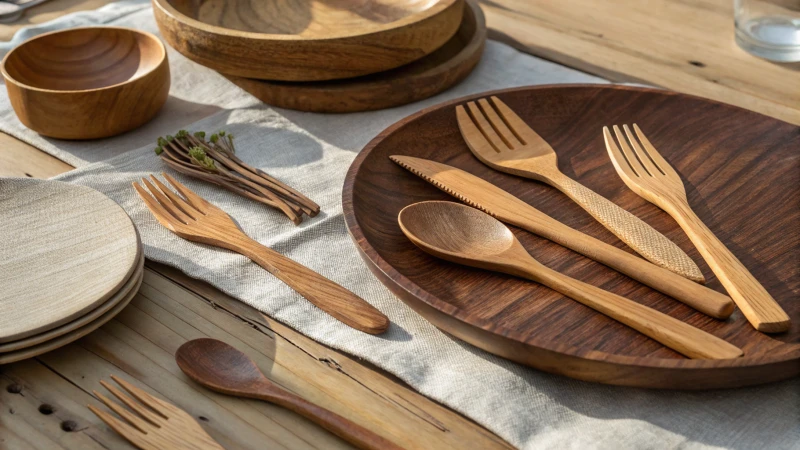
<point x="70" y="260"/>
<point x="330" y="56"/>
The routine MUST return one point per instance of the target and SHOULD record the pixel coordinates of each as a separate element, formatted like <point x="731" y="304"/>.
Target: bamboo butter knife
<point x="491" y="199"/>
<point x="504" y="142"/>
<point x="193" y="218"/>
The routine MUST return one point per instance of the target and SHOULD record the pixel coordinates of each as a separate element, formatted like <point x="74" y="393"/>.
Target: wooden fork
<point x="193" y="218"/>
<point x="648" y="174"/>
<point x="154" y="424"/>
<point x="502" y="141"/>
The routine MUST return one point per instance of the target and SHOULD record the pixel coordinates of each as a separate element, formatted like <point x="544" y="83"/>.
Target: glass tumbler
<point x="769" y="29"/>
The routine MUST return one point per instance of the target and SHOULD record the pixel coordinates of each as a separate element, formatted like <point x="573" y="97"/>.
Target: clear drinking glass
<point x="769" y="29"/>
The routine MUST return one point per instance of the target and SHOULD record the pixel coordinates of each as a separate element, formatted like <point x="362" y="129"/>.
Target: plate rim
<point x="376" y="262"/>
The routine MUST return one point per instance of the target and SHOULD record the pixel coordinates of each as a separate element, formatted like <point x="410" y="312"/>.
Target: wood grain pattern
<point x="504" y="142"/>
<point x="465" y="235"/>
<point x="416" y="81"/>
<point x="536" y="326"/>
<point x="151" y="423"/>
<point x="647" y="173"/>
<point x="125" y="292"/>
<point x="306" y="40"/>
<point x="685" y="46"/>
<point x="74" y="335"/>
<point x="222" y="368"/>
<point x="193" y="218"/>
<point x="64" y="251"/>
<point x="498" y="203"/>
<point x="87" y="83"/>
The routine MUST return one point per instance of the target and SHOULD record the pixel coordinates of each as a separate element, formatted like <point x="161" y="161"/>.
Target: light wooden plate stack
<point x="330" y="56"/>
<point x="70" y="260"/>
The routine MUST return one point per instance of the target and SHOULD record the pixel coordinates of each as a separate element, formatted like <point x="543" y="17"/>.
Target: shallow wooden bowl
<point x="306" y="40"/>
<point x="419" y="80"/>
<point x="87" y="83"/>
<point x="742" y="177"/>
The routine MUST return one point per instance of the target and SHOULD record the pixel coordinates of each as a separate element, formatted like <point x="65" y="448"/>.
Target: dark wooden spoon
<point x="222" y="368"/>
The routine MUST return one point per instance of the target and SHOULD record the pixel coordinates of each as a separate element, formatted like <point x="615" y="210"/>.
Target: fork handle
<point x="641" y="237"/>
<point x="679" y="336"/>
<point x="330" y="297"/>
<point x="699" y="297"/>
<point x="760" y="309"/>
<point x="351" y="432"/>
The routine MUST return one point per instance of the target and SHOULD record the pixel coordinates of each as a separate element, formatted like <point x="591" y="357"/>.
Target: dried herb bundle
<point x="214" y="160"/>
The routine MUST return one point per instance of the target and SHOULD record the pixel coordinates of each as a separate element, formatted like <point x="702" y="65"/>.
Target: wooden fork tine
<point x="166" y="202"/>
<point x="472" y="135"/>
<point x="198" y="202"/>
<point x="177" y="199"/>
<point x="644" y="158"/>
<point x="131" y="418"/>
<point x="142" y="396"/>
<point x="654" y="154"/>
<point x="146" y="414"/>
<point x="632" y="160"/>
<point x="125" y="430"/>
<point x="162" y="215"/>
<point x="518" y="126"/>
<point x="479" y="119"/>
<point x="617" y="158"/>
<point x="499" y="125"/>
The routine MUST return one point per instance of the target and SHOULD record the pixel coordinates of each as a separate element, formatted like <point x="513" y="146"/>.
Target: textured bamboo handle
<point x="699" y="297"/>
<point x="641" y="237"/>
<point x="760" y="309"/>
<point x="324" y="293"/>
<point x="671" y="332"/>
<point x="336" y="424"/>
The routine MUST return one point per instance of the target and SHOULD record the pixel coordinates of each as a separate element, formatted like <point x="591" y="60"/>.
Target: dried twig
<point x="214" y="160"/>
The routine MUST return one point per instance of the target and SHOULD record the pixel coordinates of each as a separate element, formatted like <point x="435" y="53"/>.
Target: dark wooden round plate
<point x="742" y="176"/>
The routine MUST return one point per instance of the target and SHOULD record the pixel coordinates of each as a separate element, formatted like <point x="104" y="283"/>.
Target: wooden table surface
<point x="683" y="45"/>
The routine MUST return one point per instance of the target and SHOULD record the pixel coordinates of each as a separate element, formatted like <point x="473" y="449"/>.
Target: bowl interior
<point x="84" y="58"/>
<point x="300" y="17"/>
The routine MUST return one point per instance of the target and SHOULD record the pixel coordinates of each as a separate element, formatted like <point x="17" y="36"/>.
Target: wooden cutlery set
<point x="441" y="146"/>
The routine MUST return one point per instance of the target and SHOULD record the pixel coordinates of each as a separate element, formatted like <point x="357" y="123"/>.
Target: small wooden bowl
<point x="306" y="40"/>
<point x="87" y="83"/>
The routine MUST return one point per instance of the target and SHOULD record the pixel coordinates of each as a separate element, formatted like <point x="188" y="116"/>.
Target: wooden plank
<point x="682" y="45"/>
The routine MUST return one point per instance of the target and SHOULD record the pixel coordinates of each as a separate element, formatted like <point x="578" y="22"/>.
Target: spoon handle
<point x="671" y="332"/>
<point x="336" y="424"/>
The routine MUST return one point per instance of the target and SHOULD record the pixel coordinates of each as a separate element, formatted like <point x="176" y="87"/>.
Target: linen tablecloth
<point x="312" y="152"/>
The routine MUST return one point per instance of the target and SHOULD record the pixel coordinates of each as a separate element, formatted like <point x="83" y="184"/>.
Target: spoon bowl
<point x="454" y="231"/>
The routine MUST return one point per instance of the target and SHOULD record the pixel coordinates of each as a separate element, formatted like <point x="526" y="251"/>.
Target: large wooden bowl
<point x="742" y="176"/>
<point x="87" y="83"/>
<point x="306" y="40"/>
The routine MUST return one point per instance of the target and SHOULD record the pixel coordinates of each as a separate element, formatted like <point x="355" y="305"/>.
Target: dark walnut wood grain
<point x="742" y="177"/>
<point x="87" y="83"/>
<point x="410" y="83"/>
<point x="306" y="40"/>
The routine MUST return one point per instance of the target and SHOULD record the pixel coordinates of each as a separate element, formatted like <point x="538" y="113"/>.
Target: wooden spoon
<point x="222" y="368"/>
<point x="465" y="235"/>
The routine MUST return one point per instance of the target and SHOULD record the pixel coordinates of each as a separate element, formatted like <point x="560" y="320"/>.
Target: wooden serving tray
<point x="742" y="177"/>
<point x="419" y="80"/>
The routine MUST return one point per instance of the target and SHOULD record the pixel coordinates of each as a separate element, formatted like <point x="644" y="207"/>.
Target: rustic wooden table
<point x="685" y="46"/>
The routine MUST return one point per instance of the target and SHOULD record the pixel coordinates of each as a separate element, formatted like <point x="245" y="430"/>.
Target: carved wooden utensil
<point x="489" y="198"/>
<point x="503" y="141"/>
<point x="465" y="235"/>
<point x="222" y="368"/>
<point x="648" y="174"/>
<point x="154" y="424"/>
<point x="193" y="218"/>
